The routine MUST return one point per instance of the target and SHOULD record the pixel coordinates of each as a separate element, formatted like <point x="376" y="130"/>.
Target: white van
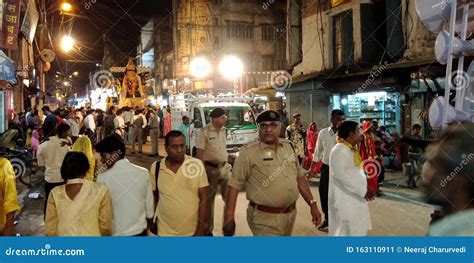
<point x="241" y="126"/>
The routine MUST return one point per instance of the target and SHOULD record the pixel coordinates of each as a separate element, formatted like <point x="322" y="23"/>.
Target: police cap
<point x="268" y="115"/>
<point x="216" y="113"/>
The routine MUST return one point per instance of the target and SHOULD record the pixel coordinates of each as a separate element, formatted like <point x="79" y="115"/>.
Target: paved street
<point x="400" y="212"/>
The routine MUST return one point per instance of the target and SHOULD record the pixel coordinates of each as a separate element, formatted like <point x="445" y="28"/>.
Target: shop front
<point x="383" y="107"/>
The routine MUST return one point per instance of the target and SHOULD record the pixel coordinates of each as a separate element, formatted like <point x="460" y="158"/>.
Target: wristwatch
<point x="313" y="202"/>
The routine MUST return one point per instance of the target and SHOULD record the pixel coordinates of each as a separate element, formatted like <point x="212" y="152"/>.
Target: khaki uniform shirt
<point x="213" y="142"/>
<point x="270" y="176"/>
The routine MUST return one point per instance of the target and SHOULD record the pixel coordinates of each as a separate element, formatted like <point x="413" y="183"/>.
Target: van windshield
<point x="238" y="117"/>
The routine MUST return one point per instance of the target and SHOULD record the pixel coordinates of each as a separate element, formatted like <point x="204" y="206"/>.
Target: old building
<point x="372" y="58"/>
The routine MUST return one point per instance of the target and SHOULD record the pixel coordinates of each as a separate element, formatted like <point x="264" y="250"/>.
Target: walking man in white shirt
<point x="348" y="191"/>
<point x="51" y="154"/>
<point x="324" y="144"/>
<point x="119" y="124"/>
<point x="130" y="189"/>
<point x="89" y="124"/>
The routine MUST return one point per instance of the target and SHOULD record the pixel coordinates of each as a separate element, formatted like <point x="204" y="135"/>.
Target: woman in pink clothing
<point x="35" y="142"/>
<point x="311" y="139"/>
<point x="167" y="123"/>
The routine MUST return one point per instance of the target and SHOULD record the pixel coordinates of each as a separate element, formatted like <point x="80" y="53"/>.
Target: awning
<point x="7" y="68"/>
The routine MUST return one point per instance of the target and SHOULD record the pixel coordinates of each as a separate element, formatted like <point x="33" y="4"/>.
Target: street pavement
<point x="399" y="212"/>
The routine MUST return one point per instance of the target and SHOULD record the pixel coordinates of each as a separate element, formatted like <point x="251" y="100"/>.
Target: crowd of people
<point x="133" y="124"/>
<point x="91" y="189"/>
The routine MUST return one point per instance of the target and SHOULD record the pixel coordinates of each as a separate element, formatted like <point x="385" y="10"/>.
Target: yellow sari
<point x="83" y="144"/>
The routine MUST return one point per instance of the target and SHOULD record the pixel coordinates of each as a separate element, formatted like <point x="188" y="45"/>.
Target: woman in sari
<point x="371" y="165"/>
<point x="311" y="139"/>
<point x="167" y="122"/>
<point x="84" y="145"/>
<point x="80" y="207"/>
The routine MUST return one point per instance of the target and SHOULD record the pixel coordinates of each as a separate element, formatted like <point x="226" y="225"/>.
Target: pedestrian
<point x="154" y="128"/>
<point x="448" y="176"/>
<point x="415" y="154"/>
<point x="180" y="187"/>
<point x="348" y="191"/>
<point x="324" y="144"/>
<point x="130" y="189"/>
<point x="311" y="139"/>
<point x="80" y="207"/>
<point x="84" y="145"/>
<point x="160" y="115"/>
<point x="184" y="128"/>
<point x="100" y="131"/>
<point x="270" y="171"/>
<point x="212" y="150"/>
<point x="370" y="161"/>
<point x="49" y="124"/>
<point x="119" y="124"/>
<point x="73" y="122"/>
<point x="64" y="132"/>
<point x="145" y="128"/>
<point x="127" y="118"/>
<point x="89" y="124"/>
<point x="109" y="124"/>
<point x="167" y="121"/>
<point x="138" y="123"/>
<point x="295" y="134"/>
<point x="51" y="155"/>
<point x="35" y="142"/>
<point x="8" y="198"/>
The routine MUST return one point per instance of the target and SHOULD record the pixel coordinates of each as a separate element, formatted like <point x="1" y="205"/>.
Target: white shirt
<point x="347" y="207"/>
<point x="51" y="155"/>
<point x="127" y="116"/>
<point x="89" y="122"/>
<point x="132" y="199"/>
<point x="74" y="126"/>
<point x="324" y="145"/>
<point x="119" y="122"/>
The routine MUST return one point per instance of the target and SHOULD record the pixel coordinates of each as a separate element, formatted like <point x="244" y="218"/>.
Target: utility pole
<point x="42" y="75"/>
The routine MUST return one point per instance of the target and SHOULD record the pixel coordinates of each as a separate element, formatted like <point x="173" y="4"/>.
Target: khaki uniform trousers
<point x="215" y="180"/>
<point x="267" y="224"/>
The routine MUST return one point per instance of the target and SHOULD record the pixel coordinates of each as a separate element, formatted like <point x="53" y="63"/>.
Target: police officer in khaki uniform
<point x="211" y="149"/>
<point x="271" y="173"/>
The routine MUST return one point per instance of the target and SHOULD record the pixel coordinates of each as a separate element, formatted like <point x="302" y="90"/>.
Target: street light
<point x="75" y="73"/>
<point x="66" y="7"/>
<point x="231" y="67"/>
<point x="67" y="43"/>
<point x="200" y="68"/>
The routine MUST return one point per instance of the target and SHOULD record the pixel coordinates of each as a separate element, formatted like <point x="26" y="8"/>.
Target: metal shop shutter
<point x="320" y="109"/>
<point x="300" y="102"/>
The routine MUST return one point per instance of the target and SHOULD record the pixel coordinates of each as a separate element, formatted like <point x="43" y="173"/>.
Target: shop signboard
<point x="30" y="21"/>
<point x="10" y="24"/>
<point x="7" y="68"/>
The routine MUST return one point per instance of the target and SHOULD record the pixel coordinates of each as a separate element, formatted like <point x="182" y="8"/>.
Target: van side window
<point x="197" y="114"/>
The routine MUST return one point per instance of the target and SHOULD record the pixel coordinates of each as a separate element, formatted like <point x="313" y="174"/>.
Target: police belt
<point x="274" y="210"/>
<point x="215" y="165"/>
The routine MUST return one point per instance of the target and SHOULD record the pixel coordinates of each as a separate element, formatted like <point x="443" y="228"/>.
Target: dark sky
<point x="119" y="20"/>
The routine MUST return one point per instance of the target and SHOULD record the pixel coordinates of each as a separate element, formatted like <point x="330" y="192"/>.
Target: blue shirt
<point x="185" y="130"/>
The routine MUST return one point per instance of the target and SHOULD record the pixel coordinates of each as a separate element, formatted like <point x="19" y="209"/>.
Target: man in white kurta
<point x="348" y="193"/>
